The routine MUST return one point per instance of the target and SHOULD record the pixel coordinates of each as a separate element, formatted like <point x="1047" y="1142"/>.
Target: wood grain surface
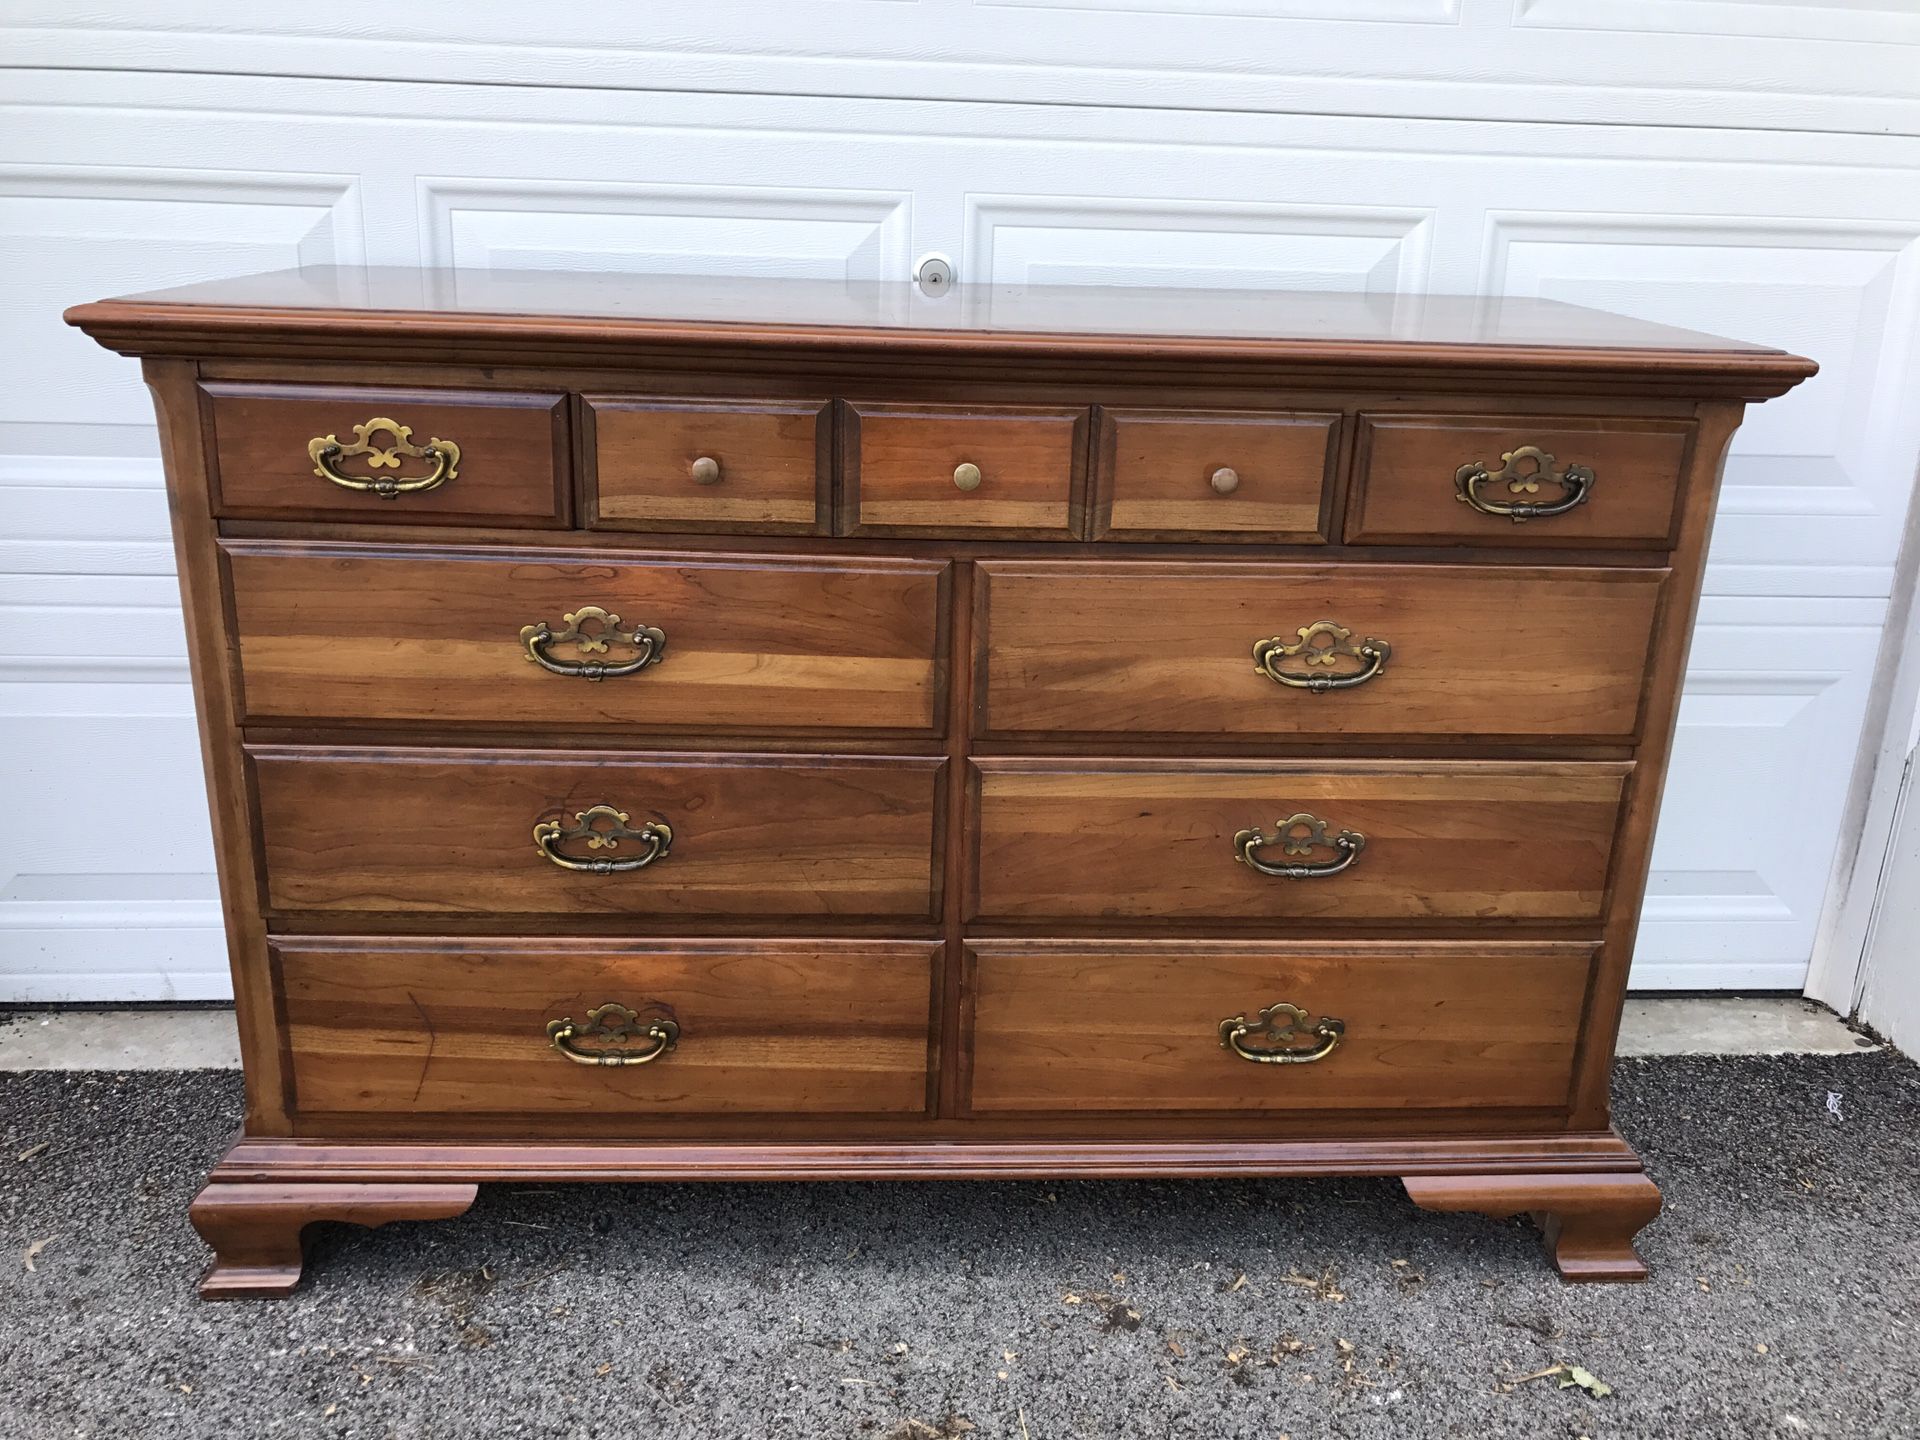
<point x="386" y="633"/>
<point x="256" y="1228"/>
<point x="898" y="464"/>
<point x="514" y="464"/>
<point x="1589" y="1220"/>
<point x="775" y="464"/>
<point x="1155" y="472"/>
<point x="1404" y="490"/>
<point x="451" y="831"/>
<point x="1153" y="840"/>
<point x="1105" y="1025"/>
<point x="428" y="315"/>
<point x="1166" y="648"/>
<point x="453" y="1027"/>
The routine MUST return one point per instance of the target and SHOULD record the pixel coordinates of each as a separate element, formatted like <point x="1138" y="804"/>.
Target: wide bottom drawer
<point x="1146" y="1026"/>
<point x="530" y="1027"/>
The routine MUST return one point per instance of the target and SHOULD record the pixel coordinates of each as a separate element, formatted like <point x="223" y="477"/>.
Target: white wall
<point x="1750" y="167"/>
<point x="1890" y="989"/>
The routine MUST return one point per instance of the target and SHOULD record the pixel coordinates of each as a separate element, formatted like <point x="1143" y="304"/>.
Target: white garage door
<point x="1749" y="167"/>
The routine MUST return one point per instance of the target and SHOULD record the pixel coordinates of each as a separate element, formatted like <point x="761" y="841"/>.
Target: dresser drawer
<point x="420" y="1027"/>
<point x="1009" y="470"/>
<point x="521" y="832"/>
<point x="514" y="637"/>
<point x="720" y="465"/>
<point x="1169" y="648"/>
<point x="1214" y="474"/>
<point x="1287" y="840"/>
<point x="1434" y="479"/>
<point x="392" y="456"/>
<point x="1076" y="1026"/>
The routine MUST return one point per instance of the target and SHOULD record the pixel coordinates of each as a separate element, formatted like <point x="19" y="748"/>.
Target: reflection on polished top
<point x="1284" y="320"/>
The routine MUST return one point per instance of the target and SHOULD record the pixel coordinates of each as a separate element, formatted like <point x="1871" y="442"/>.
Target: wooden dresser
<point x="675" y="728"/>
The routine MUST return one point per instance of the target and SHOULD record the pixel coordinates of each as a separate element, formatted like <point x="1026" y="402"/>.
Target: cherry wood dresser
<point x="674" y="728"/>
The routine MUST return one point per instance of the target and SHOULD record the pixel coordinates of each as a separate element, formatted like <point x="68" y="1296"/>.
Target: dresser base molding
<point x="256" y="1229"/>
<point x="1588" y="1189"/>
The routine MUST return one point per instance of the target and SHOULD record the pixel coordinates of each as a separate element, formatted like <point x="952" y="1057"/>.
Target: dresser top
<point x="410" y="308"/>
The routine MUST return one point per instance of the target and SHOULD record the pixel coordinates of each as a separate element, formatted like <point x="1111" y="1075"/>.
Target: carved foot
<point x="1589" y="1220"/>
<point x="254" y="1226"/>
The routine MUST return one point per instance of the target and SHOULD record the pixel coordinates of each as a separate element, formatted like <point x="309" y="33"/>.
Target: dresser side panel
<point x="1660" y="710"/>
<point x="185" y="446"/>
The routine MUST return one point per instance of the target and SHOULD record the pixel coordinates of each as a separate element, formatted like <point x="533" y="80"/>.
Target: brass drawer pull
<point x="967" y="476"/>
<point x="656" y="835"/>
<point x="591" y="629"/>
<point x="1279" y="1026"/>
<point x="1523" y="470"/>
<point x="705" y="471"/>
<point x="1372" y="655"/>
<point x="615" y="1024"/>
<point x="1225" y="480"/>
<point x="324" y="450"/>
<point x="1300" y="835"/>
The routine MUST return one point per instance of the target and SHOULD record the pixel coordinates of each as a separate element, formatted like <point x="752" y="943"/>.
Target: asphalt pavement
<point x="1783" y="1299"/>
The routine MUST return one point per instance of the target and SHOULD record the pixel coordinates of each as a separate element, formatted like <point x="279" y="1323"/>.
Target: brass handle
<point x="1278" y="1026"/>
<point x="1372" y="655"/>
<point x="592" y="629"/>
<point x="705" y="471"/>
<point x="550" y="835"/>
<point x="1523" y="470"/>
<point x="616" y="1025"/>
<point x="1300" y="835"/>
<point x="1225" y="480"/>
<point x="967" y="476"/>
<point x="324" y="450"/>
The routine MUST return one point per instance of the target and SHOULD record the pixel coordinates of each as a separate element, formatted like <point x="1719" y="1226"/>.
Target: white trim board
<point x="1833" y="65"/>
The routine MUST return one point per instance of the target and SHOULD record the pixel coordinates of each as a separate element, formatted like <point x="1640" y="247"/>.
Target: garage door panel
<point x="1800" y="239"/>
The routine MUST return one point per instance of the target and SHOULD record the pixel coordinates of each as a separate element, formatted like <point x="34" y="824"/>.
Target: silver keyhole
<point x="934" y="275"/>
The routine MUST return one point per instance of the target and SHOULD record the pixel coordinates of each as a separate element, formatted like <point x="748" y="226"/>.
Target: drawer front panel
<point x="504" y="456"/>
<point x="1010" y="471"/>
<point x="1409" y="486"/>
<point x="720" y="465"/>
<point x="453" y="832"/>
<point x="1165" y="840"/>
<point x="747" y="643"/>
<point x="1168" y="648"/>
<point x="1215" y="475"/>
<point x="1105" y="1026"/>
<point x="420" y="1027"/>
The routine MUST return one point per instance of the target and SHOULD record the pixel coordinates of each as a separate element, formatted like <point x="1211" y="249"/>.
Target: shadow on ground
<point x="1786" y="1270"/>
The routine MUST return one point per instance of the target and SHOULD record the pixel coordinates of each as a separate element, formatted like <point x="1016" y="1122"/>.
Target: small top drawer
<point x="666" y="463"/>
<point x="1528" y="480"/>
<point x="956" y="470"/>
<point x="1215" y="474"/>
<point x="401" y="456"/>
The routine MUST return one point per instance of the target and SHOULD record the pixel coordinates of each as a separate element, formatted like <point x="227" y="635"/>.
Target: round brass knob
<point x="705" y="471"/>
<point x="967" y="476"/>
<point x="1224" y="480"/>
